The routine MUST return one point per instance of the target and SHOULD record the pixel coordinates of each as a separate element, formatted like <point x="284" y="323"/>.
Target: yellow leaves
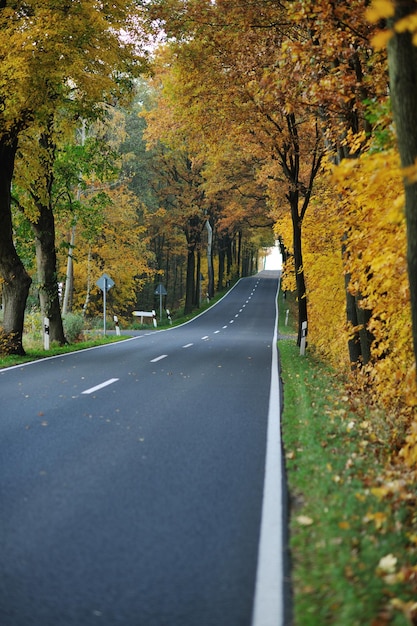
<point x="355" y="141"/>
<point x="410" y="174"/>
<point x="380" y="492"/>
<point x="379" y="9"/>
<point x="408" y="23"/>
<point x="372" y="218"/>
<point x="409" y="451"/>
<point x="384" y="9"/>
<point x="379" y="518"/>
<point x="381" y="38"/>
<point x="409" y="609"/>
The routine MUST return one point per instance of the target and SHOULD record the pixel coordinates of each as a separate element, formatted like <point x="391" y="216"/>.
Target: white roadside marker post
<point x="303" y="338"/>
<point x="46" y="333"/>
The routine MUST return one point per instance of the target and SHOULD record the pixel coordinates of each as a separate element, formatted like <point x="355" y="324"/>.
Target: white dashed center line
<point x="159" y="358"/>
<point x="188" y="345"/>
<point x="205" y="337"/>
<point x="101" y="385"/>
<point x="216" y="332"/>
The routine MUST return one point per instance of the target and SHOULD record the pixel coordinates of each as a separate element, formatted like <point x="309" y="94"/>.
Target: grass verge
<point x="34" y="354"/>
<point x="353" y="533"/>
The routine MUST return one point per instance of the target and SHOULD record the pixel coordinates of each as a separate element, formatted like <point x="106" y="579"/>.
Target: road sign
<point x="105" y="282"/>
<point x="160" y="290"/>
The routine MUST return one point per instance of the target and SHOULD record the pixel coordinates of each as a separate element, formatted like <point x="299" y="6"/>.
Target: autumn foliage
<point x="256" y="120"/>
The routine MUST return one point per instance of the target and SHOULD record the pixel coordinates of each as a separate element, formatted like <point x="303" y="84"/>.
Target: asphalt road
<point x="131" y="476"/>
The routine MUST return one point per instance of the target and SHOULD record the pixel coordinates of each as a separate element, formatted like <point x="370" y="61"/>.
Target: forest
<point x="172" y="141"/>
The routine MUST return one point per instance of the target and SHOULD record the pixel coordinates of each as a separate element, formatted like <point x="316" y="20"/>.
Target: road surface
<point x="132" y="477"/>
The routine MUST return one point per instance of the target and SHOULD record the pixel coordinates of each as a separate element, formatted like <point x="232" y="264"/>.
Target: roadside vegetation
<point x="181" y="140"/>
<point x="353" y="529"/>
<point x="82" y="334"/>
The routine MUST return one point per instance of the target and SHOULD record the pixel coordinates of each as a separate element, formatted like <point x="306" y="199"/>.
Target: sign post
<point x="105" y="283"/>
<point x="160" y="291"/>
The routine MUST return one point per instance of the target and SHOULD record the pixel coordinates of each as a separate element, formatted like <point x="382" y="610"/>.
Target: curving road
<point x="132" y="476"/>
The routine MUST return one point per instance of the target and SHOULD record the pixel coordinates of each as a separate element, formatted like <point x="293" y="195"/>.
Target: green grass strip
<point x="34" y="354"/>
<point x="352" y="558"/>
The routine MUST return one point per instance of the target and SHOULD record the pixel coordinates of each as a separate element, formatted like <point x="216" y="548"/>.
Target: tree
<point x="402" y="56"/>
<point x="75" y="61"/>
<point x="15" y="279"/>
<point x="226" y="81"/>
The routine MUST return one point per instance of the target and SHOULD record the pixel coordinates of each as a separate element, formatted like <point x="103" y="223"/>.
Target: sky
<point x="273" y="260"/>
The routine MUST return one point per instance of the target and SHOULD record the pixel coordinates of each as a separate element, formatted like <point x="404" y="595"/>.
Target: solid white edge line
<point x="269" y="589"/>
<point x="101" y="385"/>
<point x="65" y="354"/>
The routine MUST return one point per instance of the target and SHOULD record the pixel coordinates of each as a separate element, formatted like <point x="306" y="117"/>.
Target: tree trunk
<point x="88" y="289"/>
<point x="354" y="344"/>
<point x="402" y="60"/>
<point x="210" y="270"/>
<point x="365" y="337"/>
<point x="229" y="256"/>
<point x="16" y="281"/>
<point x="359" y="343"/>
<point x="239" y="254"/>
<point x="222" y="256"/>
<point x="44" y="229"/>
<point x="197" y="281"/>
<point x="69" y="276"/>
<point x="46" y="261"/>
<point x="298" y="263"/>
<point x="190" y="285"/>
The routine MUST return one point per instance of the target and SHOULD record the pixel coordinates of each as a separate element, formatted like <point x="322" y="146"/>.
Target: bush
<point x="33" y="322"/>
<point x="73" y="326"/>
